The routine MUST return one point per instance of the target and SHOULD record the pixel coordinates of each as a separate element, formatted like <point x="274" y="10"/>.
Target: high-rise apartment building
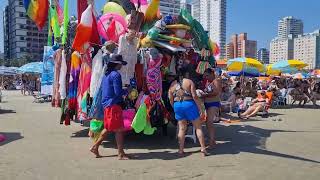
<point x="213" y="19"/>
<point x="186" y="4"/>
<point x="281" y="49"/>
<point x="195" y="10"/>
<point x="307" y="49"/>
<point x="289" y="26"/>
<point x="263" y="55"/>
<point x="170" y="7"/>
<point x="240" y="46"/>
<point x="21" y="36"/>
<point x="5" y="26"/>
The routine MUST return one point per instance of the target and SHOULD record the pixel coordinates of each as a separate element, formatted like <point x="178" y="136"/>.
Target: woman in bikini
<point x="212" y="102"/>
<point x="256" y="105"/>
<point x="186" y="105"/>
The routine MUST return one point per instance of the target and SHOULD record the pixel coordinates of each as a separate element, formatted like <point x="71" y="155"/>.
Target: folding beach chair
<point x="41" y="98"/>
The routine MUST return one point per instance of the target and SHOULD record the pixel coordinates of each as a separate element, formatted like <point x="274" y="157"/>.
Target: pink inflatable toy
<point x="128" y="116"/>
<point x="105" y="21"/>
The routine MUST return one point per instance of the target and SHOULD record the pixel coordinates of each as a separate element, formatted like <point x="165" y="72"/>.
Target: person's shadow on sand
<point x="6" y="111"/>
<point x="246" y="138"/>
<point x="10" y="137"/>
<point x="236" y="139"/>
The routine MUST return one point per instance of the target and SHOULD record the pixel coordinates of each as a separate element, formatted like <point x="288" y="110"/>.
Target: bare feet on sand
<point x="123" y="156"/>
<point x="95" y="152"/>
<point x="212" y="144"/>
<point x="204" y="152"/>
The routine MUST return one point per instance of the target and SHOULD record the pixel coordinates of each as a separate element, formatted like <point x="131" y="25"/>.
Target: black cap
<point x="117" y="58"/>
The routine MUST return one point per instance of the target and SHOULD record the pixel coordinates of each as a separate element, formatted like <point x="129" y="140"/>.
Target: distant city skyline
<point x="257" y="18"/>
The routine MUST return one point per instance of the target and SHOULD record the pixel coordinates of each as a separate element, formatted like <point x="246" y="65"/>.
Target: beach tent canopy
<point x="8" y="70"/>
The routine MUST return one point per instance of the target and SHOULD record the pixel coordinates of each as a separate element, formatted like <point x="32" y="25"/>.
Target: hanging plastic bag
<point x="96" y="126"/>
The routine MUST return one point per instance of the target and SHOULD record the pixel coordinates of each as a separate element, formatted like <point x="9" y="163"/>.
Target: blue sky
<point x="258" y="18"/>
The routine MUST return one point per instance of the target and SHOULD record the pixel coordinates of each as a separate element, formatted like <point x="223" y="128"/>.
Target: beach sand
<point x="284" y="146"/>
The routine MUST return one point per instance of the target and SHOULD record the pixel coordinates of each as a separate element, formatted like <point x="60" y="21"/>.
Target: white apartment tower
<point x="21" y="35"/>
<point x="185" y="4"/>
<point x="213" y="20"/>
<point x="307" y="49"/>
<point x="170" y="7"/>
<point x="195" y="10"/>
<point x="281" y="49"/>
<point x="289" y="25"/>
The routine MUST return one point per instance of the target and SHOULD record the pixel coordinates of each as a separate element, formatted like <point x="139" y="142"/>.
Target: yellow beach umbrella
<point x="288" y="66"/>
<point x="271" y="71"/>
<point x="249" y="65"/>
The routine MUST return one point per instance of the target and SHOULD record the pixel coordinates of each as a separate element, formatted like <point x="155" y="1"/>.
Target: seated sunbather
<point x="256" y="105"/>
<point x="298" y="95"/>
<point x="315" y="94"/>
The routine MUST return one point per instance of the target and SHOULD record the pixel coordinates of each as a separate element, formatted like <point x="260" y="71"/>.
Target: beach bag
<point x="136" y="19"/>
<point x="157" y="116"/>
<point x="96" y="126"/>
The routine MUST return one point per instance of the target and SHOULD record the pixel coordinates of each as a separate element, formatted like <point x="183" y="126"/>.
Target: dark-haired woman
<point x="186" y="105"/>
<point x="212" y="102"/>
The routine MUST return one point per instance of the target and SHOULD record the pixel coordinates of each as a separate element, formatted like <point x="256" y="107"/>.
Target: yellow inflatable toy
<point x="112" y="7"/>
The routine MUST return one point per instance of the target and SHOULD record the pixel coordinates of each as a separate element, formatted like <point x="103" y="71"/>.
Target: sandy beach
<point x="284" y="146"/>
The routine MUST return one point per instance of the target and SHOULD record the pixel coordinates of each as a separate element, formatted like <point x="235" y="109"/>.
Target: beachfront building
<point x="170" y="7"/>
<point x="213" y="19"/>
<point x="240" y="46"/>
<point x="21" y="35"/>
<point x="281" y="49"/>
<point x="263" y="55"/>
<point x="307" y="49"/>
<point x="289" y="26"/>
<point x="195" y="10"/>
<point x="186" y="4"/>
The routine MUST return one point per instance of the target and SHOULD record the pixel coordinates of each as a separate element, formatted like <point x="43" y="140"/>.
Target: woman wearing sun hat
<point x="112" y="98"/>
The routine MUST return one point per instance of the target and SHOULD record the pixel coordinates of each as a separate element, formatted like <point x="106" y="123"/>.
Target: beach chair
<point x="41" y="98"/>
<point x="247" y="101"/>
<point x="192" y="135"/>
<point x="281" y="101"/>
<point x="265" y="110"/>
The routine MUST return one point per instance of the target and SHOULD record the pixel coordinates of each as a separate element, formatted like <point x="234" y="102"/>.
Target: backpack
<point x="156" y="115"/>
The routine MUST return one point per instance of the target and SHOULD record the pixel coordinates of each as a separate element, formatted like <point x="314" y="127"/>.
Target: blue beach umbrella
<point x="288" y="66"/>
<point x="34" y="67"/>
<point x="243" y="73"/>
